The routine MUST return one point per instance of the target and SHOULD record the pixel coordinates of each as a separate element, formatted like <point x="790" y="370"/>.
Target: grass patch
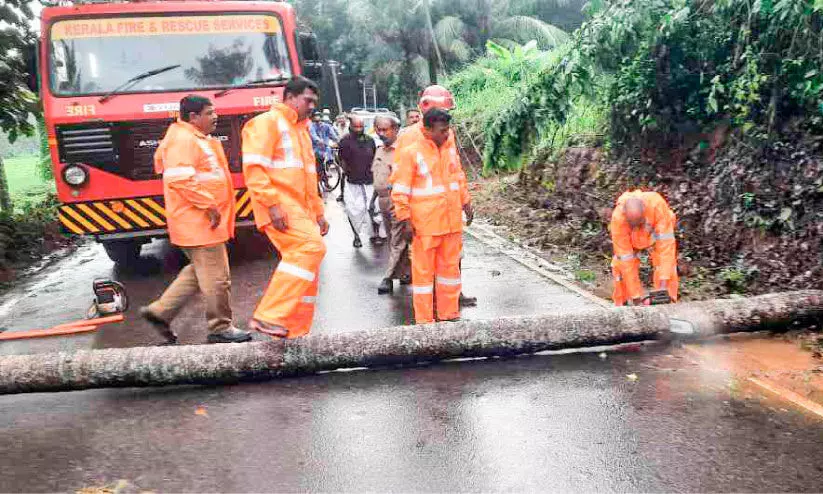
<point x="585" y="276"/>
<point x="26" y="185"/>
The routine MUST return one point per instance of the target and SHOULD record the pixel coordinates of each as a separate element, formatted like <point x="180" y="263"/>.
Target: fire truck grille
<point x="86" y="144"/>
<point x="127" y="149"/>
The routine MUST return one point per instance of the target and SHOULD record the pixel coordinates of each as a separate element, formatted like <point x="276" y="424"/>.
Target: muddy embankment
<point x="750" y="218"/>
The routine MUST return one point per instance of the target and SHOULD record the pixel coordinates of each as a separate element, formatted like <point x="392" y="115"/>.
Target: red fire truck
<point x="111" y="78"/>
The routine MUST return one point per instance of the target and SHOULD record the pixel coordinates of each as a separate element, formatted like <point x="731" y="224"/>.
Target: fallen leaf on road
<point x="631" y="377"/>
<point x="201" y="411"/>
<point x="122" y="485"/>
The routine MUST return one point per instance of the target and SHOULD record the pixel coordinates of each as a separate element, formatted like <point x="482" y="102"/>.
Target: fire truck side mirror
<point x="311" y="63"/>
<point x="31" y="56"/>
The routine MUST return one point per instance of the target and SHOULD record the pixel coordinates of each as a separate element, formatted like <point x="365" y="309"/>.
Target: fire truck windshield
<point x="93" y="56"/>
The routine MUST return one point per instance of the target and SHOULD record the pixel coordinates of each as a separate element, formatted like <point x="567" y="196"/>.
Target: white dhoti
<point x="358" y="197"/>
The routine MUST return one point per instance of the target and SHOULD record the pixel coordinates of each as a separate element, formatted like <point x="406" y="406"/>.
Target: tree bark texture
<point x="207" y="364"/>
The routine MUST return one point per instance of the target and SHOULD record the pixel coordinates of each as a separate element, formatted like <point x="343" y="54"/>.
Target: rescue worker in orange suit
<point x="643" y="221"/>
<point x="200" y="216"/>
<point x="434" y="96"/>
<point x="280" y="172"/>
<point x="430" y="195"/>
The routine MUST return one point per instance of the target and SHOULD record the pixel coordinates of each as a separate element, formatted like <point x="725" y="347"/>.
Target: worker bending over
<point x="429" y="194"/>
<point x="643" y="221"/>
<point x="279" y="168"/>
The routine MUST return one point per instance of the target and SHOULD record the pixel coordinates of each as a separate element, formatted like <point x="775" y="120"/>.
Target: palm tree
<point x="472" y="23"/>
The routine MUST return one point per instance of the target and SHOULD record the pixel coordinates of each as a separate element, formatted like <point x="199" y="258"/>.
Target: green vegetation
<point x="28" y="234"/>
<point x="650" y="71"/>
<point x="585" y="276"/>
<point x="405" y="46"/>
<point x="738" y="276"/>
<point x="26" y="185"/>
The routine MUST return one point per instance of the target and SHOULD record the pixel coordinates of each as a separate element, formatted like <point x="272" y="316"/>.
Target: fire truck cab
<point x="111" y="78"/>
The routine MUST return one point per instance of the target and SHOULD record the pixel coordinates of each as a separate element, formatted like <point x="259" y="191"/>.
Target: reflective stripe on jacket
<point x="279" y="164"/>
<point x="196" y="177"/>
<point x="428" y="188"/>
<point x="414" y="133"/>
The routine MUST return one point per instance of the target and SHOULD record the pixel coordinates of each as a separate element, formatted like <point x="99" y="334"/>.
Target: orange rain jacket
<point x="656" y="235"/>
<point x="414" y="133"/>
<point x="429" y="186"/>
<point x="279" y="165"/>
<point x="196" y="177"/>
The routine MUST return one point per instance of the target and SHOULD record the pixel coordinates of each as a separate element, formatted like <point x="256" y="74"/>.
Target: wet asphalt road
<point x="558" y="423"/>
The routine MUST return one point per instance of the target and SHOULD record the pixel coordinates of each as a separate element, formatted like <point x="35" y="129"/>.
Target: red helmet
<point x="435" y="96"/>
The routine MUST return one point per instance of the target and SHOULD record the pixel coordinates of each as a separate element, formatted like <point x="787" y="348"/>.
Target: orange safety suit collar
<point x="286" y="111"/>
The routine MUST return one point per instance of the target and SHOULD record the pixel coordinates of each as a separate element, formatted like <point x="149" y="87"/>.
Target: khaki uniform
<point x="196" y="177"/>
<point x="399" y="261"/>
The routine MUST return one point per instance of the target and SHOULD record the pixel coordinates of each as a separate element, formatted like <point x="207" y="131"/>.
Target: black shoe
<point x="386" y="286"/>
<point x="340" y="199"/>
<point x="159" y="325"/>
<point x="357" y="243"/>
<point x="405" y="280"/>
<point x="231" y="335"/>
<point x="465" y="301"/>
<point x="378" y="241"/>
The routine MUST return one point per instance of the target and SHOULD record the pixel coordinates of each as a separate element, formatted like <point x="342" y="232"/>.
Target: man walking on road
<point x="430" y="195"/>
<point x="356" y="156"/>
<point x="399" y="268"/>
<point x="199" y="199"/>
<point x="279" y="167"/>
<point x="643" y="221"/>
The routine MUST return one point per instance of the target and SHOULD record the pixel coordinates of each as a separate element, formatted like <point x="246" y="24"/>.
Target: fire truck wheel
<point x="123" y="252"/>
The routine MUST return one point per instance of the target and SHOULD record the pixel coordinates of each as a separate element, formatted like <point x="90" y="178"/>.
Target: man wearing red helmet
<point x="436" y="96"/>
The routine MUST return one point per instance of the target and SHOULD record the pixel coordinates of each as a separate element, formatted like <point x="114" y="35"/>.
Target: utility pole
<point x="333" y="66"/>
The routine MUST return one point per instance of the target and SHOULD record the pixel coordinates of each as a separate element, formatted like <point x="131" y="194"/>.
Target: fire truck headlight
<point x="75" y="175"/>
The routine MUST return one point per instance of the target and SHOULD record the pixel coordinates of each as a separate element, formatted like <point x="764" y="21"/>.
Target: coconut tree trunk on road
<point x="201" y="364"/>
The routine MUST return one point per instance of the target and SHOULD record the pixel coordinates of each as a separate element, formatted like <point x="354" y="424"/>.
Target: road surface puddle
<point x="772" y="367"/>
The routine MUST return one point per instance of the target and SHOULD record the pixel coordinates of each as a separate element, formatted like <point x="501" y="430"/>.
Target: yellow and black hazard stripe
<point x="242" y="206"/>
<point x="113" y="216"/>
<point x="125" y="215"/>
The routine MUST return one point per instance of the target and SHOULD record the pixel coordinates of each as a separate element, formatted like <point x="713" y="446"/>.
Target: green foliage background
<point x="654" y="70"/>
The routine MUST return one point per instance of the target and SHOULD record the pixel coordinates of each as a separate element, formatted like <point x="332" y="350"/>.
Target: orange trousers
<point x="436" y="260"/>
<point x="620" y="294"/>
<point x="289" y="300"/>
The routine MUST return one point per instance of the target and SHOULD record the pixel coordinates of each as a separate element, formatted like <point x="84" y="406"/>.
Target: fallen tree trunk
<point x="201" y="364"/>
